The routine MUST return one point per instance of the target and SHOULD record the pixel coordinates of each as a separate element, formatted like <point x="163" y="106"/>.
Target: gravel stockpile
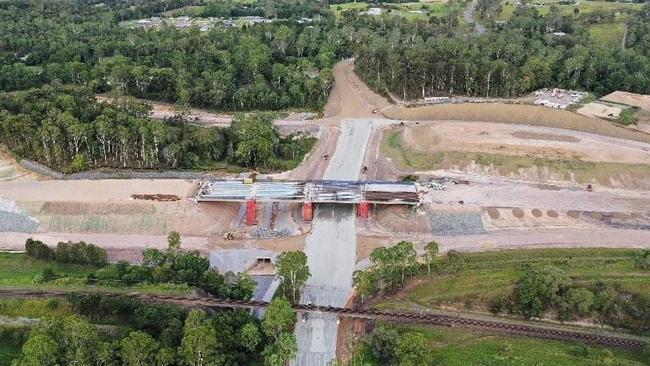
<point x="13" y="219"/>
<point x="456" y="223"/>
<point x="264" y="232"/>
<point x="17" y="222"/>
<point x="40" y="169"/>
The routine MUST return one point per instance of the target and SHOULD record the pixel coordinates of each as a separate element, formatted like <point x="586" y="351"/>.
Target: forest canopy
<point x="65" y="128"/>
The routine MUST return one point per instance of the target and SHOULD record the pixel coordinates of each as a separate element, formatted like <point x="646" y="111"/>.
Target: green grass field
<point x="18" y="270"/>
<point x="408" y="159"/>
<point x="493" y="273"/>
<point x="411" y="10"/>
<point x="584" y="7"/>
<point x="458" y="347"/>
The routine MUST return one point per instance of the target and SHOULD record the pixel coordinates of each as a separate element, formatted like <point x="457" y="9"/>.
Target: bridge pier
<point x="363" y="209"/>
<point x="251" y="212"/>
<point x="307" y="211"/>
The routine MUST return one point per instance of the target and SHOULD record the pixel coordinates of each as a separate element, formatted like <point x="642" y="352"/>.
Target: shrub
<point x="36" y="249"/>
<point x="48" y="275"/>
<point x="642" y="260"/>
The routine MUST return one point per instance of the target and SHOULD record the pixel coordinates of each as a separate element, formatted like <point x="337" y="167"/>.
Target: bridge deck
<point x="325" y="191"/>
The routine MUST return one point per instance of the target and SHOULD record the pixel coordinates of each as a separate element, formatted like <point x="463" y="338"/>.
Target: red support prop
<point x="363" y="211"/>
<point x="251" y="212"/>
<point x="307" y="211"/>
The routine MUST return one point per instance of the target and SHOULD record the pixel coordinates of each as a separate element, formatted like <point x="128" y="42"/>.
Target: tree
<point x="281" y="351"/>
<point x="538" y="289"/>
<point x="199" y="345"/>
<point x="576" y="301"/>
<point x="365" y="283"/>
<point x="39" y="350"/>
<point x="174" y="242"/>
<point x="382" y="344"/>
<point x="412" y="349"/>
<point x="249" y="336"/>
<point x="255" y="139"/>
<point x="293" y="272"/>
<point x="138" y="349"/>
<point x="279" y="317"/>
<point x="430" y="253"/>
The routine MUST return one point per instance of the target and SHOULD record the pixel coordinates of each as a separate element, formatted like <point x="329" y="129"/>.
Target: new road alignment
<point x="331" y="250"/>
<point x="536" y="331"/>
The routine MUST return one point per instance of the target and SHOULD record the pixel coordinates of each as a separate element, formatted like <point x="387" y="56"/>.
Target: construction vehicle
<point x="437" y="186"/>
<point x="229" y="235"/>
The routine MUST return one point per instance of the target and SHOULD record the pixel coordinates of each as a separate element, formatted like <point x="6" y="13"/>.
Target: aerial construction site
<point x="473" y="178"/>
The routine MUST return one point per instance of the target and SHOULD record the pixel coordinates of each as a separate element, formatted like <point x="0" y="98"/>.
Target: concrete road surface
<point x="331" y="250"/>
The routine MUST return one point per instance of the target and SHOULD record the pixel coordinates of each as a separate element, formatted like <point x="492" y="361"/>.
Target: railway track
<point x="535" y="331"/>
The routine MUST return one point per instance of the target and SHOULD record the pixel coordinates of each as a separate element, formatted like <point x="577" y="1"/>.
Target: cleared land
<point x="600" y="110"/>
<point x="631" y="99"/>
<point x="518" y="152"/>
<point x="488" y="274"/>
<point x="514" y="113"/>
<point x="458" y="347"/>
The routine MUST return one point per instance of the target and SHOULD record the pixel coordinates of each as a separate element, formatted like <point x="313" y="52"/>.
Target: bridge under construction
<point x="361" y="193"/>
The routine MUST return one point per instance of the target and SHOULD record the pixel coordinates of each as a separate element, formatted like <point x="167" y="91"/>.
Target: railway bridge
<point x="360" y="193"/>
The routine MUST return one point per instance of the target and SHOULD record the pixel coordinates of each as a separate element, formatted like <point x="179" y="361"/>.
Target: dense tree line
<point x="267" y="66"/>
<point x="542" y="290"/>
<point x="522" y="56"/>
<point x="64" y="128"/>
<point x="159" y="334"/>
<point x="70" y="252"/>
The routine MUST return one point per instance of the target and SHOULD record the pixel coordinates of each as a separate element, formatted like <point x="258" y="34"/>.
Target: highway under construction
<point x="309" y="192"/>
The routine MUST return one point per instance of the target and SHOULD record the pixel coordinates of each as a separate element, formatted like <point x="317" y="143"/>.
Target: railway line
<point x="535" y="331"/>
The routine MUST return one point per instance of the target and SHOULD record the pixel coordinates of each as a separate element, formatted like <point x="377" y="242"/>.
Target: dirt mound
<point x="493" y="213"/>
<point x="552" y="213"/>
<point x="518" y="213"/>
<point x="573" y="214"/>
<point x="537" y="212"/>
<point x="544" y="136"/>
<point x="403" y="220"/>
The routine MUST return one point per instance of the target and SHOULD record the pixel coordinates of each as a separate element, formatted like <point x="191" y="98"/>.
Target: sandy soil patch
<point x="507" y="139"/>
<point x="631" y="99"/>
<point x="93" y="190"/>
<point x="401" y="219"/>
<point x="10" y="170"/>
<point x="600" y="110"/>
